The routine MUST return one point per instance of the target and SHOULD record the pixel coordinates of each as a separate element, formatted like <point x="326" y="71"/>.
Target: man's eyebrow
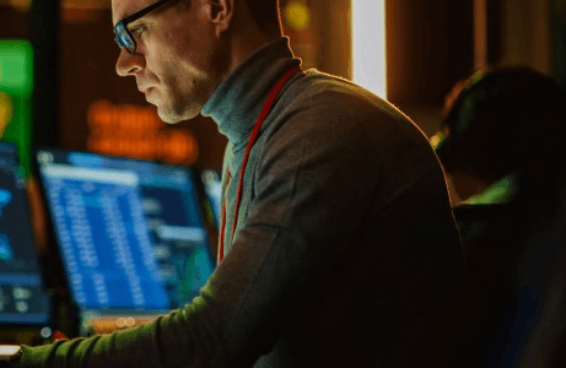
<point x="145" y="17"/>
<point x="136" y="23"/>
<point x="146" y="11"/>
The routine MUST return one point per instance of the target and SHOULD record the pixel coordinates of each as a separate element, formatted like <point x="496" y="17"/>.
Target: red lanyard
<point x="263" y="114"/>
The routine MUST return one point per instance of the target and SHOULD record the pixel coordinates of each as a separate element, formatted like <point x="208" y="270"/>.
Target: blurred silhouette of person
<point x="502" y="144"/>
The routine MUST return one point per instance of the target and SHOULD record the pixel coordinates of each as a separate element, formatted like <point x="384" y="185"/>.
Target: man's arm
<point x="297" y="229"/>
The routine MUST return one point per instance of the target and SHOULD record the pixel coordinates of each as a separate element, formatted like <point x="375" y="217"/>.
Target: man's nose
<point x="129" y="64"/>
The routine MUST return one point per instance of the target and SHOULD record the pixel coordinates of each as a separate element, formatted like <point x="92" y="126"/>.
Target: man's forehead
<point x="123" y="8"/>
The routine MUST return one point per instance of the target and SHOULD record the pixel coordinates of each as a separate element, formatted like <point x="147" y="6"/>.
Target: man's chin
<point x="171" y="118"/>
<point x="168" y="119"/>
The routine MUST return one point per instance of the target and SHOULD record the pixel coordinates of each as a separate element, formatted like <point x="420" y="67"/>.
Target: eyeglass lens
<point x="124" y="40"/>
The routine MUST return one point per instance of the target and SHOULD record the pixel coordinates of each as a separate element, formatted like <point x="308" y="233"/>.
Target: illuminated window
<point x="369" y="58"/>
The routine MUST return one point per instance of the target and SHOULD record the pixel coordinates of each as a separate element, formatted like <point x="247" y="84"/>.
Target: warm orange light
<point x="21" y="5"/>
<point x="369" y="57"/>
<point x="136" y="131"/>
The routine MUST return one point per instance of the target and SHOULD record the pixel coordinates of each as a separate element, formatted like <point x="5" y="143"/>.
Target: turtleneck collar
<point x="237" y="102"/>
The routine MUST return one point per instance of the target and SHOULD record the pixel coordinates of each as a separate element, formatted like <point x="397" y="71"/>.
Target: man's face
<point x="179" y="59"/>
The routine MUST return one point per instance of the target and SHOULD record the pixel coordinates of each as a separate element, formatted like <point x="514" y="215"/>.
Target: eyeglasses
<point x="122" y="35"/>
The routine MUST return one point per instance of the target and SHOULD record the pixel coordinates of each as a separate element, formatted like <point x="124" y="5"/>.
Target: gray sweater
<point x="346" y="253"/>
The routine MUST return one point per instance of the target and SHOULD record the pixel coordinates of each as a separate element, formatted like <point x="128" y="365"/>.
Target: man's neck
<point x="236" y="103"/>
<point x="246" y="44"/>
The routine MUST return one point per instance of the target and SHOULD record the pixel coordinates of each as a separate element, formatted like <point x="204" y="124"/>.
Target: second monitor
<point x="131" y="233"/>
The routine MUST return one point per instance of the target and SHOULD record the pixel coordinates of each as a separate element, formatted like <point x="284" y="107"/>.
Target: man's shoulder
<point x="333" y="116"/>
<point x="331" y="98"/>
<point x="320" y="101"/>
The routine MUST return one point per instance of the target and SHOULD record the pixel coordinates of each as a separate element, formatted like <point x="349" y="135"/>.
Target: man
<point x="344" y="252"/>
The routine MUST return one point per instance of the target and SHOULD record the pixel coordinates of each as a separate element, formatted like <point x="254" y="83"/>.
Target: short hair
<point x="266" y="14"/>
<point x="502" y="120"/>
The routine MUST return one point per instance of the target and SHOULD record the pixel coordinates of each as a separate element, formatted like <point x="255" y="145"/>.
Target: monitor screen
<point x="23" y="299"/>
<point x="126" y="225"/>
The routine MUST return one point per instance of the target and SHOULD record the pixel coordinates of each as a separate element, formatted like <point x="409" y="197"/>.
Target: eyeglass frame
<point x="121" y="28"/>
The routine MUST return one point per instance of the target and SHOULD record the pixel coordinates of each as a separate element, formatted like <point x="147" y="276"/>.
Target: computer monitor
<point x="131" y="233"/>
<point x="23" y="299"/>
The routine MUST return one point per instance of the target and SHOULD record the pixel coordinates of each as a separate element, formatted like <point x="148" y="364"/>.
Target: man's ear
<point x="221" y="14"/>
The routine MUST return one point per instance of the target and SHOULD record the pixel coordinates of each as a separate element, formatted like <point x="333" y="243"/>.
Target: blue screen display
<point x="23" y="299"/>
<point x="131" y="232"/>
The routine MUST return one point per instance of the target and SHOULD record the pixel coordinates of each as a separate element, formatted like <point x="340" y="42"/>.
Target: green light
<point x="16" y="68"/>
<point x="502" y="191"/>
<point x="16" y="87"/>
